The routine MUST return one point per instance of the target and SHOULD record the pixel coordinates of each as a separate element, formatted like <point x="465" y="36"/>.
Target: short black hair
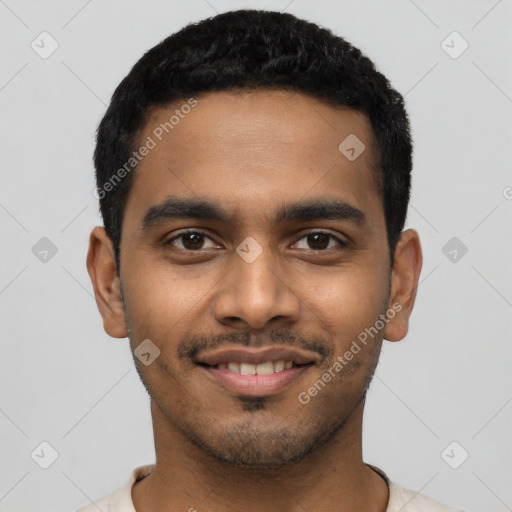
<point x="253" y="49"/>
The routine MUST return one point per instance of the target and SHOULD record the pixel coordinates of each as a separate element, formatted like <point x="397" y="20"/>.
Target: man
<point x="253" y="172"/>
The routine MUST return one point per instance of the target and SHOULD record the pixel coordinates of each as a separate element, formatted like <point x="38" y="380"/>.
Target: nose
<point x="254" y="294"/>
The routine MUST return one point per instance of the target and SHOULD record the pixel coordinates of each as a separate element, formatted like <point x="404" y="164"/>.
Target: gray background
<point x="64" y="381"/>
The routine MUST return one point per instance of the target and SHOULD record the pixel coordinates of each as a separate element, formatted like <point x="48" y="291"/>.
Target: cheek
<point x="162" y="299"/>
<point x="349" y="300"/>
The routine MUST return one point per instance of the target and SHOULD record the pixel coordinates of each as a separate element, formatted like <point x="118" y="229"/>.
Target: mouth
<point x="256" y="372"/>
<point x="267" y="368"/>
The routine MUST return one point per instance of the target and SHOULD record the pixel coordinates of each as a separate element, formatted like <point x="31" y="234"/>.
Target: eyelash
<point x="341" y="243"/>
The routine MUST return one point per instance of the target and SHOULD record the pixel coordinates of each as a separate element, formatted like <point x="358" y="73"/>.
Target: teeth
<point x="279" y="366"/>
<point x="267" y="368"/>
<point x="247" y="369"/>
<point x="234" y="367"/>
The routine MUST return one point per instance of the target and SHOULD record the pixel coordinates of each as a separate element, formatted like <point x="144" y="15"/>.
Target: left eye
<point x="320" y="241"/>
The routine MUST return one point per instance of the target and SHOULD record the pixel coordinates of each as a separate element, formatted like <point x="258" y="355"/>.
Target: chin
<point x="251" y="447"/>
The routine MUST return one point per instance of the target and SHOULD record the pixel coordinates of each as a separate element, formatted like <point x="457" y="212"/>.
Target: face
<point x="254" y="255"/>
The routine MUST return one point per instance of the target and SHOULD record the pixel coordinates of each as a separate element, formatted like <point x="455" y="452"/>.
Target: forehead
<point x="254" y="150"/>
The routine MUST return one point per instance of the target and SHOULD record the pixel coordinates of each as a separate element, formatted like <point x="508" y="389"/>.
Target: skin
<point x="252" y="152"/>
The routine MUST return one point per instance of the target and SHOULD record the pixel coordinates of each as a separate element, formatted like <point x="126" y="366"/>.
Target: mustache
<point x="191" y="348"/>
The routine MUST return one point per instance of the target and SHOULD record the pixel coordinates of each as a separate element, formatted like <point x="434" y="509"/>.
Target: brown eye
<point x="190" y="241"/>
<point x="320" y="241"/>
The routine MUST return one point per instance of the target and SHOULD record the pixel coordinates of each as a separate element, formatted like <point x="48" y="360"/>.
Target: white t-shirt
<point x="400" y="499"/>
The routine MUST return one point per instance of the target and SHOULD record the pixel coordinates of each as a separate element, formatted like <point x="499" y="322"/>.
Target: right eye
<point x="190" y="241"/>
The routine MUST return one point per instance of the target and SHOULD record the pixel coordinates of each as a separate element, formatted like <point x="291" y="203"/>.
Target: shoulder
<point x="406" y="500"/>
<point x="121" y="500"/>
<point x="101" y="505"/>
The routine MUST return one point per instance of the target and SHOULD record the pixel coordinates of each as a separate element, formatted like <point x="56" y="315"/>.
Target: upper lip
<point x="253" y="355"/>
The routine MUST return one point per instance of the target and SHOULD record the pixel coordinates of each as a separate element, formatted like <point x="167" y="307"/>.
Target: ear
<point x="107" y="288"/>
<point x="404" y="284"/>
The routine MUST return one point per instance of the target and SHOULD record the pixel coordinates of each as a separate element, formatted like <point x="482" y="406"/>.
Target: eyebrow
<point x="181" y="208"/>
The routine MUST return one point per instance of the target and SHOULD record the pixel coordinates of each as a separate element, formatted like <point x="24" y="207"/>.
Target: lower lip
<point x="255" y="385"/>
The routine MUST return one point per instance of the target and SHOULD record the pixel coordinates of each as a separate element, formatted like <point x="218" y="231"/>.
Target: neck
<point x="187" y="478"/>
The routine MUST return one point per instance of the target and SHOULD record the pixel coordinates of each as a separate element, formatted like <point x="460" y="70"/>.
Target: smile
<point x="267" y="368"/>
<point x="256" y="371"/>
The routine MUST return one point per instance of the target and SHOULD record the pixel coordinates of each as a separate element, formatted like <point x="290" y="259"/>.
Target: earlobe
<point x="404" y="284"/>
<point x="107" y="289"/>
